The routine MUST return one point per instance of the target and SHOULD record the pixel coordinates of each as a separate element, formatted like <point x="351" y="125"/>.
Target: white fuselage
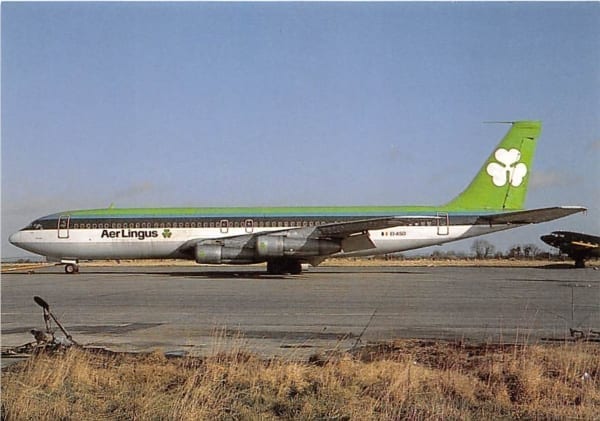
<point x="150" y="243"/>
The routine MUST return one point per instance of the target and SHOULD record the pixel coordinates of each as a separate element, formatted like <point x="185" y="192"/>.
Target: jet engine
<point x="268" y="246"/>
<point x="264" y="247"/>
<point x="216" y="253"/>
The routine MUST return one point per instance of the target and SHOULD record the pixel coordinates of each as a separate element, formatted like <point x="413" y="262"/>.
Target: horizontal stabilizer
<point x="532" y="216"/>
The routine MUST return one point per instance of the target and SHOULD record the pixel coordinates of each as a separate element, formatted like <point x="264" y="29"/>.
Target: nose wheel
<point x="71" y="268"/>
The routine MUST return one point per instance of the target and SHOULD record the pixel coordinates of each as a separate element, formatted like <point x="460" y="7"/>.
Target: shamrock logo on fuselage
<point x="509" y="169"/>
<point x="167" y="233"/>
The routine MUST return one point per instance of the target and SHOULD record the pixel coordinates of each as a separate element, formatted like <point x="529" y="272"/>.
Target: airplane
<point x="287" y="237"/>
<point x="577" y="246"/>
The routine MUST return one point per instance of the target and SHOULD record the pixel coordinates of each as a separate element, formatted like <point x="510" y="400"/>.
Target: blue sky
<point x="229" y="104"/>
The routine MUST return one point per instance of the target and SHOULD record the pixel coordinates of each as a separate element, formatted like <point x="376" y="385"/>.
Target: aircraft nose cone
<point x="15" y="238"/>
<point x="24" y="240"/>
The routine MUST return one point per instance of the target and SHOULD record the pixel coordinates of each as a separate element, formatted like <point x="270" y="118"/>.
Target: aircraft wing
<point x="352" y="235"/>
<point x="346" y="229"/>
<point x="532" y="216"/>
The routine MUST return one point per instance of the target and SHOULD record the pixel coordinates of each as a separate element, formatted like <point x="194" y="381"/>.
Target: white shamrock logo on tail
<point x="507" y="171"/>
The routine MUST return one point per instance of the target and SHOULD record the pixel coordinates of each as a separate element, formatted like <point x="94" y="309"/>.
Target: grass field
<point x="406" y="379"/>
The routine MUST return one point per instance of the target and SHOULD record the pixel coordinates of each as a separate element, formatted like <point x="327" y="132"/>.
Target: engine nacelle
<point x="219" y="253"/>
<point x="268" y="246"/>
<point x="209" y="253"/>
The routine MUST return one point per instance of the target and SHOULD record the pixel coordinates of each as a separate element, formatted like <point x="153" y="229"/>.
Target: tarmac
<point x="199" y="310"/>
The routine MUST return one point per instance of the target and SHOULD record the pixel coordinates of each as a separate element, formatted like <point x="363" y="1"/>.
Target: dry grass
<point x="399" y="380"/>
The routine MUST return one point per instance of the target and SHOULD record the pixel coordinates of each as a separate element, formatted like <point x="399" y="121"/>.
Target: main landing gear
<point x="284" y="266"/>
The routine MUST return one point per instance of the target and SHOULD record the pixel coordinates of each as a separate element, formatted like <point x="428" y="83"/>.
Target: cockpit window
<point x="35" y="225"/>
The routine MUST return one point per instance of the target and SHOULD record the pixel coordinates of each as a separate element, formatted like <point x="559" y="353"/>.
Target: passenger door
<point x="63" y="226"/>
<point x="443" y="223"/>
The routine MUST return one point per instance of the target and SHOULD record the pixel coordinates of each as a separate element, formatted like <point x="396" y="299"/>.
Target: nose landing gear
<point x="70" y="267"/>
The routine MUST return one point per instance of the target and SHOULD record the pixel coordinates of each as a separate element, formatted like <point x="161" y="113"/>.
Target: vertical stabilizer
<point x="502" y="182"/>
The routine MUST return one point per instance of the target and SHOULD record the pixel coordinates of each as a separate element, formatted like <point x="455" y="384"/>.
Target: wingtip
<point x="575" y="209"/>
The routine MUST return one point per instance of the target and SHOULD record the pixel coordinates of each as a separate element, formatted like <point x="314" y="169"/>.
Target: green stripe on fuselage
<point x="274" y="212"/>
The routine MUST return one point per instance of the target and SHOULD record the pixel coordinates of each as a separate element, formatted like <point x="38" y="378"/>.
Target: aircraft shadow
<point x="193" y="274"/>
<point x="241" y="274"/>
<point x="394" y="272"/>
<point x="558" y="266"/>
<point x="229" y="275"/>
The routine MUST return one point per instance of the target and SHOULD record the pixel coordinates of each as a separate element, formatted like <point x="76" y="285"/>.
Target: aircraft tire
<point x="282" y="267"/>
<point x="295" y="267"/>
<point x="70" y="268"/>
<point x="274" y="267"/>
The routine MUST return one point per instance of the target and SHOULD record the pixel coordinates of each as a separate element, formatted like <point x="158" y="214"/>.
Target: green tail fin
<point x="502" y="182"/>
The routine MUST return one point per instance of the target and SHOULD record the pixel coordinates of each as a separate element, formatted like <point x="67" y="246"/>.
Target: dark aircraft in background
<point x="578" y="246"/>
